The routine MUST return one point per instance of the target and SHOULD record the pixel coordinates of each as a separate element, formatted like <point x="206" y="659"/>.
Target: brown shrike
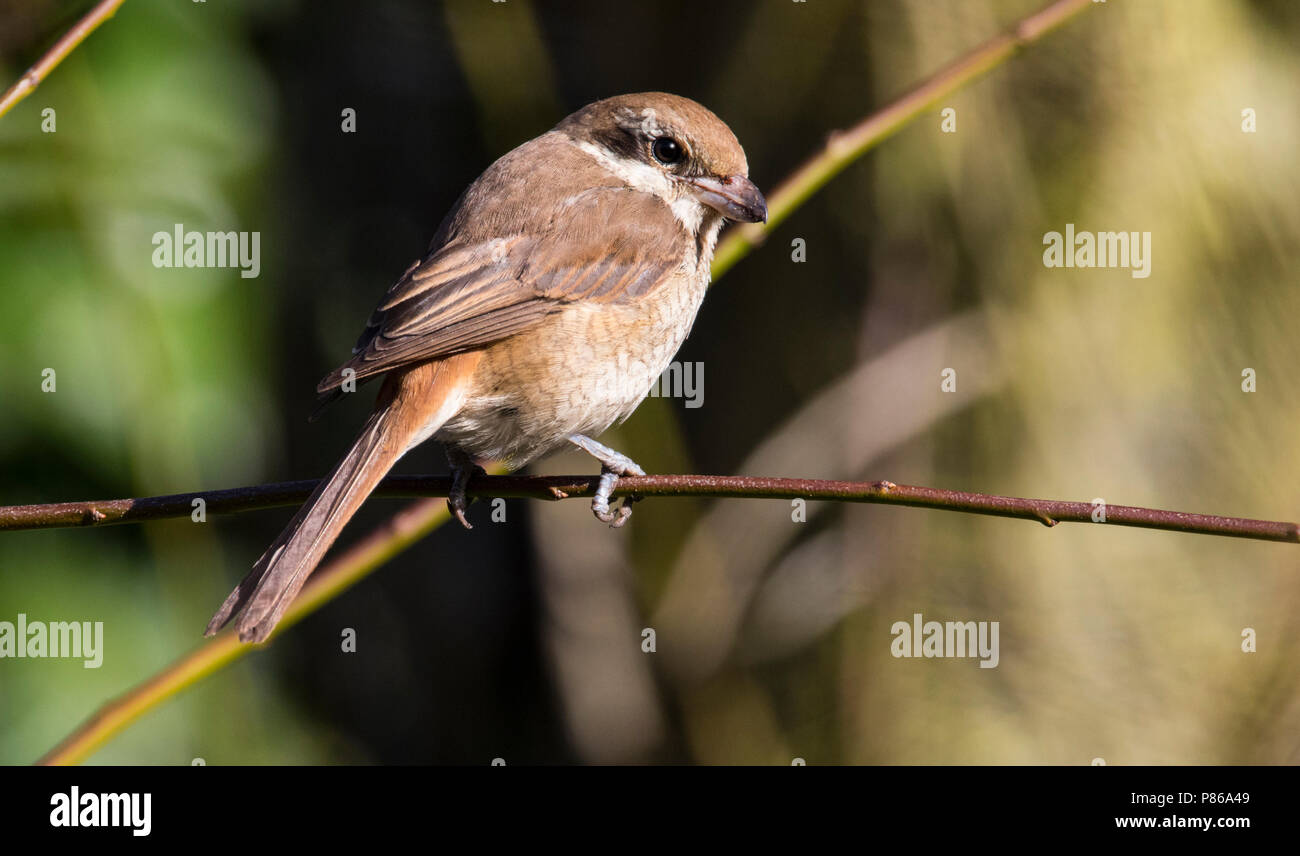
<point x="552" y="296"/>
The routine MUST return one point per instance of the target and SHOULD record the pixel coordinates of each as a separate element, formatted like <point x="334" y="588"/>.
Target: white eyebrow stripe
<point x="688" y="210"/>
<point x="633" y="173"/>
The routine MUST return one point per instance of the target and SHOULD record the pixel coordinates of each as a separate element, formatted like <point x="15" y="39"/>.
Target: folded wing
<point x="605" y="244"/>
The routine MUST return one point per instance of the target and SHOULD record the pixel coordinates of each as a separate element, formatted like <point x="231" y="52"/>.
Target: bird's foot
<point x="612" y="465"/>
<point x="462" y="470"/>
<point x="600" y="502"/>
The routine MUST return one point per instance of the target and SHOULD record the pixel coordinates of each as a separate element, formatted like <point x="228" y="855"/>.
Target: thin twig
<point x="844" y="147"/>
<point x="1046" y="511"/>
<point x="55" y="55"/>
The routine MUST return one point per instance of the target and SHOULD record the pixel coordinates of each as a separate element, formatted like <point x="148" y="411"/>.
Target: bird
<point x="554" y="293"/>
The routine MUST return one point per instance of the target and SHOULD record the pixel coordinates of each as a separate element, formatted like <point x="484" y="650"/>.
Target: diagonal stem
<point x="26" y="84"/>
<point x="844" y="147"/>
<point x="385" y="542"/>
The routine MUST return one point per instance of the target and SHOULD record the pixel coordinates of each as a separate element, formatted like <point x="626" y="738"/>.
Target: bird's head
<point x="674" y="148"/>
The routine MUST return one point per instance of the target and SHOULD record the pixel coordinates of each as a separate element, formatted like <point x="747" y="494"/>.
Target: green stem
<point x="844" y="147"/>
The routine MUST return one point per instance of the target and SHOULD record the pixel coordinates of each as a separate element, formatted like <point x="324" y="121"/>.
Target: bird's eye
<point x="667" y="151"/>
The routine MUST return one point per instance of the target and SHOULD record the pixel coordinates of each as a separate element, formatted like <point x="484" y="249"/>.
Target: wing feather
<point x="606" y="244"/>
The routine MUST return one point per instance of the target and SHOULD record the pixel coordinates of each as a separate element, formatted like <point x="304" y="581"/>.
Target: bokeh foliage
<point x="522" y="640"/>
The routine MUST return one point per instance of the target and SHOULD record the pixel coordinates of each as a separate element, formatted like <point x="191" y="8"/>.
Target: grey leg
<point x="612" y="465"/>
<point x="463" y="469"/>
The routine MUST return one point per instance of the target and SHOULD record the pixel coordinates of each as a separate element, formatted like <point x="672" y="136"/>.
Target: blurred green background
<point x="522" y="639"/>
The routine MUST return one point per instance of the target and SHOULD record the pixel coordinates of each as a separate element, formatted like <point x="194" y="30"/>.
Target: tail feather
<point x="280" y="573"/>
<point x="411" y="407"/>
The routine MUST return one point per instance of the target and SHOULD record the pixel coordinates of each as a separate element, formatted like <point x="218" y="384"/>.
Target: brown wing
<point x="603" y="244"/>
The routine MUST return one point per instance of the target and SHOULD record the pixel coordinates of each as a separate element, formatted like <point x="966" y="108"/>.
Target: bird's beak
<point x="734" y="197"/>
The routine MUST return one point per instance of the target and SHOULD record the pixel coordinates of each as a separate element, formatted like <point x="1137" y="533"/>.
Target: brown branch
<point x="1046" y="511"/>
<point x="55" y="55"/>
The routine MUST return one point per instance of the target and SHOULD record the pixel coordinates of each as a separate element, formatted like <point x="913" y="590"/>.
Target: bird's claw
<point x="612" y="465"/>
<point x="600" y="502"/>
<point x="457" y="508"/>
<point x="457" y="498"/>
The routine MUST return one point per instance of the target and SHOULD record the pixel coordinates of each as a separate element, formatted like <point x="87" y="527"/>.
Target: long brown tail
<point x="411" y="406"/>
